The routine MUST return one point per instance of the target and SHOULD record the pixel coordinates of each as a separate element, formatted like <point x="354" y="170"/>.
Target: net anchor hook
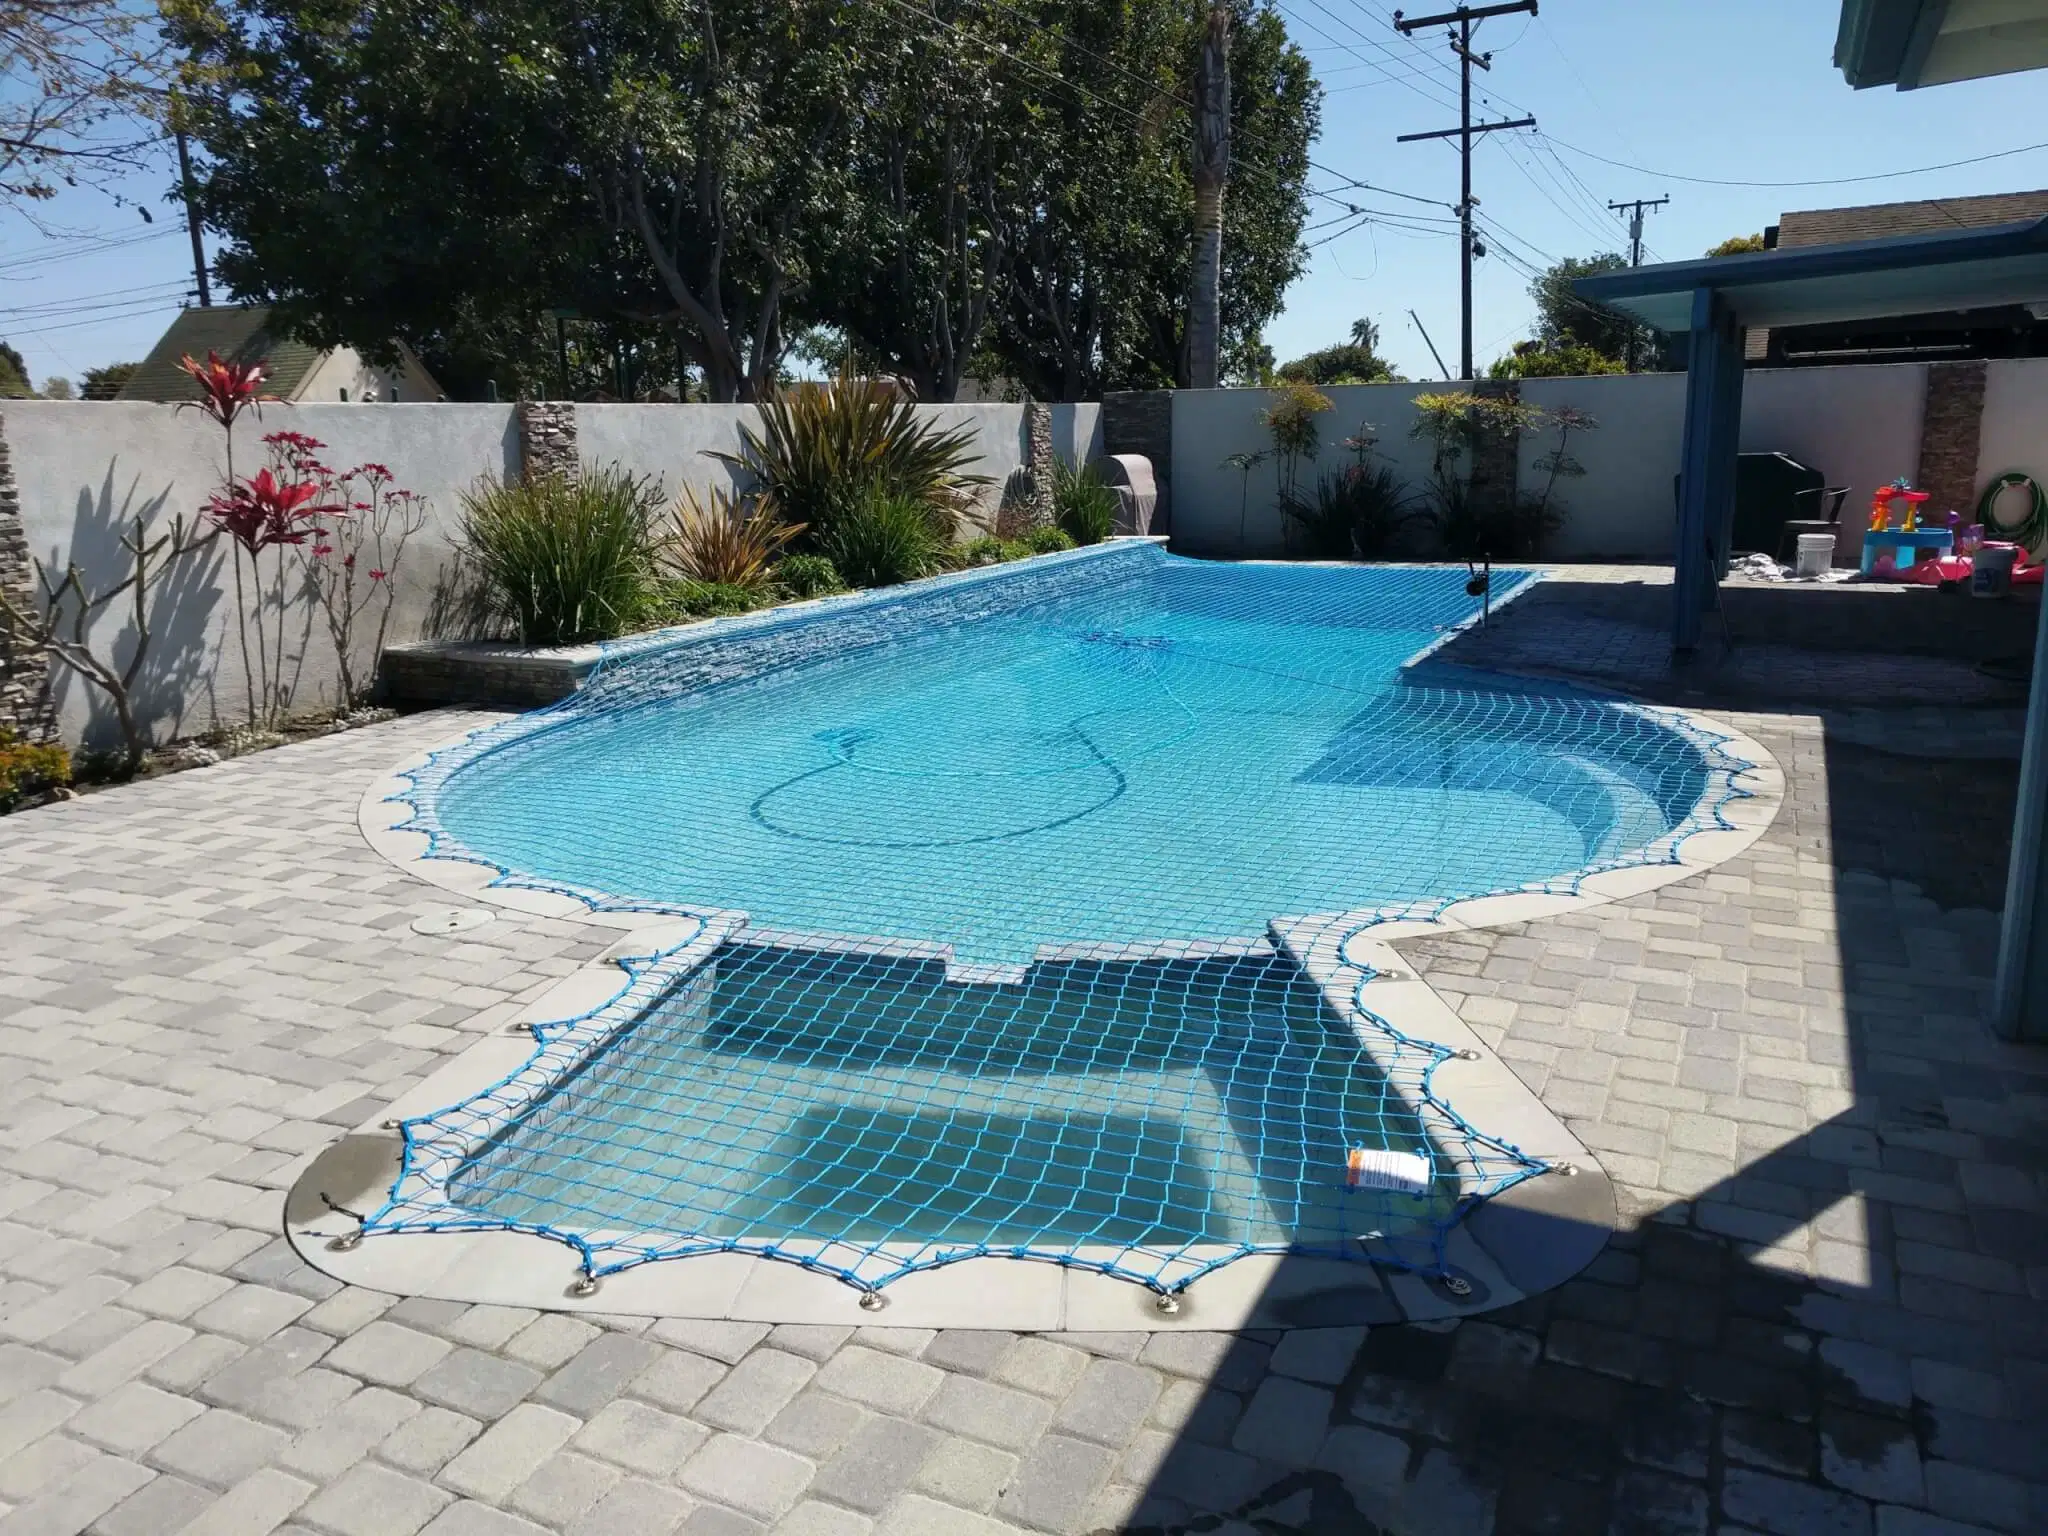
<point x="347" y="1241"/>
<point x="873" y="1301"/>
<point x="1457" y="1285"/>
<point x="585" y="1283"/>
<point x="1167" y="1303"/>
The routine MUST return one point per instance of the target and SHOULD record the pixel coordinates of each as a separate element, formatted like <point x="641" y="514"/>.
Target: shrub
<point x="565" y="561"/>
<point x="29" y="768"/>
<point x="1048" y="541"/>
<point x="681" y="599"/>
<point x="988" y="550"/>
<point x="1355" y="514"/>
<point x="807" y="576"/>
<point x="726" y="540"/>
<point x="824" y="451"/>
<point x="1082" y="504"/>
<point x="884" y="539"/>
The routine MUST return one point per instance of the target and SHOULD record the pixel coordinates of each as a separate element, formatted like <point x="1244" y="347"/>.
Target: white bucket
<point x="1816" y="554"/>
<point x="1991" y="570"/>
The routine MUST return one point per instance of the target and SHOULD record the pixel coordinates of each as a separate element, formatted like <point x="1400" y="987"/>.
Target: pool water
<point x="1184" y="754"/>
<point x="866" y="1100"/>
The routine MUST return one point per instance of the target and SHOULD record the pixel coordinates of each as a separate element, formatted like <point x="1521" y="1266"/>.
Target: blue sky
<point x="1739" y="91"/>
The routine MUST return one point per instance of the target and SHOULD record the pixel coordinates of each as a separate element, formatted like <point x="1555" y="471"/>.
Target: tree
<point x="1533" y="360"/>
<point x="908" y="275"/>
<point x="1365" y="333"/>
<point x="1099" y="295"/>
<point x="449" y="175"/>
<point x="726" y="176"/>
<point x="105" y="383"/>
<point x="13" y="375"/>
<point x="78" y="78"/>
<point x="1737" y="245"/>
<point x="1211" y="172"/>
<point x="57" y="389"/>
<point x="1345" y="363"/>
<point x="1563" y="319"/>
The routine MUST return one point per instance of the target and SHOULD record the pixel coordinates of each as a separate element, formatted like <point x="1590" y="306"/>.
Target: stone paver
<point x="1825" y="1310"/>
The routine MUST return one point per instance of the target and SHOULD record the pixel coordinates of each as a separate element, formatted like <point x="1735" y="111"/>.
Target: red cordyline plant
<point x="227" y="388"/>
<point x="351" y="561"/>
<point x="274" y="509"/>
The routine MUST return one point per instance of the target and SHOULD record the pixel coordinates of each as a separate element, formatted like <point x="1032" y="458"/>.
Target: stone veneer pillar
<point x="547" y="439"/>
<point x="25" y="703"/>
<point x="1038" y="462"/>
<point x="1949" y="434"/>
<point x="1141" y="421"/>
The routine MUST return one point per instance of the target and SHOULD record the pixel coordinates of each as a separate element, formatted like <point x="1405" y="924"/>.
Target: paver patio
<point x="1825" y="1315"/>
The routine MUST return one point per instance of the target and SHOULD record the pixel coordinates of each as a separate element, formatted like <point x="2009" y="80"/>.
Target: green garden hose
<point x="2030" y="529"/>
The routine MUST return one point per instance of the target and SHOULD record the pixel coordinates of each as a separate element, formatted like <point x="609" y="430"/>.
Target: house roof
<point x="239" y="333"/>
<point x="1933" y="216"/>
<point x="1957" y="269"/>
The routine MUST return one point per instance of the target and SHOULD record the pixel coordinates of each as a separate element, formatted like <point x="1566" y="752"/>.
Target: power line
<point x="1461" y="21"/>
<point x="1820" y="181"/>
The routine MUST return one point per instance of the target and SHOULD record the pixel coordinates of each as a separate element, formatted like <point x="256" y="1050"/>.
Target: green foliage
<point x="28" y="768"/>
<point x="807" y="576"/>
<point x="105" y="383"/>
<point x="679" y="600"/>
<point x="1083" y="505"/>
<point x="825" y="452"/>
<point x="13" y="375"/>
<point x="1457" y="421"/>
<point x="988" y="550"/>
<point x="1345" y="363"/>
<point x="883" y="539"/>
<point x="565" y="561"/>
<point x="725" y="540"/>
<point x="1737" y="245"/>
<point x="1291" y="418"/>
<point x="724" y="178"/>
<point x="1533" y="360"/>
<point x="1048" y="541"/>
<point x="1563" y="319"/>
<point x="1355" y="514"/>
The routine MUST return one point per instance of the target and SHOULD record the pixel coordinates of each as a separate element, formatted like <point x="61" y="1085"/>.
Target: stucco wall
<point x="1212" y="515"/>
<point x="84" y="469"/>
<point x="2014" y="431"/>
<point x="1860" y="426"/>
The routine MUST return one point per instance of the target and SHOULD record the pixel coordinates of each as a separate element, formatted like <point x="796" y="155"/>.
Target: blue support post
<point x="1706" y="476"/>
<point x="2019" y="994"/>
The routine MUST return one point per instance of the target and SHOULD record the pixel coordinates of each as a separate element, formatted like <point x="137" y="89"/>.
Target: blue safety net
<point x="1018" y="901"/>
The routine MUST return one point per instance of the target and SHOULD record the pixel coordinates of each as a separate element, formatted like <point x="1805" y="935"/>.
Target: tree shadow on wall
<point x="180" y="663"/>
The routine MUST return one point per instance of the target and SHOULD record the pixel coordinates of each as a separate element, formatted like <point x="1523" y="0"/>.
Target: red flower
<point x="378" y="575"/>
<point x="348" y="562"/>
<point x="323" y="549"/>
<point x="226" y="388"/>
<point x="262" y="511"/>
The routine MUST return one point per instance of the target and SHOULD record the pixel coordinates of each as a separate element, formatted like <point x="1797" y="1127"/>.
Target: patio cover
<point x="1715" y="300"/>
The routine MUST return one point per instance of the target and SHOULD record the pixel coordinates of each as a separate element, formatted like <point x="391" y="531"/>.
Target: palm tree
<point x="1211" y="171"/>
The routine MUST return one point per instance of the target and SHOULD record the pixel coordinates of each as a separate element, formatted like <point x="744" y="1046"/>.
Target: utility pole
<point x="1461" y="22"/>
<point x="1635" y="207"/>
<point x="192" y="222"/>
<point x="1440" y="368"/>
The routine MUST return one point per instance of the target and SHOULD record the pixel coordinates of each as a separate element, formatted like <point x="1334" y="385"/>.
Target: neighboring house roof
<point x="239" y="334"/>
<point x="1883" y="221"/>
<point x="1932" y="216"/>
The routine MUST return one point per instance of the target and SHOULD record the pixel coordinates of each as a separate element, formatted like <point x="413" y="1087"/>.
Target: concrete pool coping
<point x="1528" y="1238"/>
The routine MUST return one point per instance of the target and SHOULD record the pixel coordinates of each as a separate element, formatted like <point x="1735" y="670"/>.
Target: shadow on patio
<point x="1823" y="1312"/>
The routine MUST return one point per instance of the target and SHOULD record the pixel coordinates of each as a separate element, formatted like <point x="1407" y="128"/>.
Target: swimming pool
<point x="1180" y="750"/>
<point x="1010" y="893"/>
